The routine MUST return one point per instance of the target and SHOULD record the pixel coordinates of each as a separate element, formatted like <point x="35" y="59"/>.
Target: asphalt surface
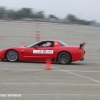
<point x="77" y="81"/>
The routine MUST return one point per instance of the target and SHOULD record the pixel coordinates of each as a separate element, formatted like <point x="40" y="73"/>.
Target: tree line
<point x="72" y="18"/>
<point x="29" y="13"/>
<point x="21" y="13"/>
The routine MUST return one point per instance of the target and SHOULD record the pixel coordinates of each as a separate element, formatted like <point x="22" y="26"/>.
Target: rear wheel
<point x="12" y="56"/>
<point x="64" y="58"/>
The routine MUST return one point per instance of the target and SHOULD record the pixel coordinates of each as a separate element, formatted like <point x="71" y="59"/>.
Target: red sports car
<point x="56" y="51"/>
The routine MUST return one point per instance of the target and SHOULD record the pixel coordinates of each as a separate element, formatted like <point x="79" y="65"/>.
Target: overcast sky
<point x="85" y="9"/>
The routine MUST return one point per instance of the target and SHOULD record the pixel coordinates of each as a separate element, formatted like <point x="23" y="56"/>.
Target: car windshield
<point x="62" y="43"/>
<point x="32" y="45"/>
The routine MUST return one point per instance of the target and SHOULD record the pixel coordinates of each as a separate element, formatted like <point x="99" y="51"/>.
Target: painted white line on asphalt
<point x="79" y="75"/>
<point x="80" y="71"/>
<point x="62" y="94"/>
<point x="19" y="69"/>
<point x="10" y="65"/>
<point x="69" y="84"/>
<point x="18" y="64"/>
<point x="49" y="70"/>
<point x="90" y="71"/>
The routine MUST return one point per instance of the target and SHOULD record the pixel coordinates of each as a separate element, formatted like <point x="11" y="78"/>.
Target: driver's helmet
<point x="48" y="44"/>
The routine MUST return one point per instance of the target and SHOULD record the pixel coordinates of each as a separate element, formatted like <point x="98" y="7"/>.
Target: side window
<point x="50" y="44"/>
<point x="43" y="44"/>
<point x="46" y="44"/>
<point x="39" y="44"/>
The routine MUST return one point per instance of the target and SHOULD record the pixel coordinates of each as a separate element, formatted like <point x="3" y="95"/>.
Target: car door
<point x="40" y="53"/>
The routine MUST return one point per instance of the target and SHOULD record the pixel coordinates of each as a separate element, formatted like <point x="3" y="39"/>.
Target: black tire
<point x="64" y="58"/>
<point x="12" y="56"/>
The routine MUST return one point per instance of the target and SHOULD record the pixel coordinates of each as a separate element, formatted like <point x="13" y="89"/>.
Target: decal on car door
<point x="42" y="51"/>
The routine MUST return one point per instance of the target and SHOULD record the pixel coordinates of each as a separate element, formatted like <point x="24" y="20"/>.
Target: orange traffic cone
<point x="38" y="36"/>
<point x="48" y="64"/>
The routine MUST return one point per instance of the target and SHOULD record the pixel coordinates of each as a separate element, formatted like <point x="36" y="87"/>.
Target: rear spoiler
<point x="82" y="45"/>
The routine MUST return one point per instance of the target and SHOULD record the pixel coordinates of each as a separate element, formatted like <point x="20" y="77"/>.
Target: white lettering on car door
<point x="43" y="51"/>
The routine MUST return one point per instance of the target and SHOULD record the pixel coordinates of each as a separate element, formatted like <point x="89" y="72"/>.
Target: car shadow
<point x="54" y="63"/>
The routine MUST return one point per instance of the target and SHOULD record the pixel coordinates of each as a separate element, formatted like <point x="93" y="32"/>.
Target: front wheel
<point x="12" y="56"/>
<point x="64" y="58"/>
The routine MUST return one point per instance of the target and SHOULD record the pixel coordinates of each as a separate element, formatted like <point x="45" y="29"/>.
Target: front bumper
<point x="1" y="55"/>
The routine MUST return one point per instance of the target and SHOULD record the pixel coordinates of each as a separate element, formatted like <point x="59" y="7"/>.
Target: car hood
<point x="13" y="47"/>
<point x="19" y="47"/>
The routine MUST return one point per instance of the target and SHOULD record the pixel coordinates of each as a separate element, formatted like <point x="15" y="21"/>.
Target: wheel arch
<point x="63" y="51"/>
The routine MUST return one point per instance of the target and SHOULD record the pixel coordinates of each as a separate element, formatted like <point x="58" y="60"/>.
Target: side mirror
<point x="36" y="47"/>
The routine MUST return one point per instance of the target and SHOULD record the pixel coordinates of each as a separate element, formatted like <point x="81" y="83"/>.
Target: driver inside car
<point x="47" y="44"/>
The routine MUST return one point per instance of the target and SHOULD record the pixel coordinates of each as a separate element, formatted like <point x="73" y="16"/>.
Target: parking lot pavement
<point x="77" y="81"/>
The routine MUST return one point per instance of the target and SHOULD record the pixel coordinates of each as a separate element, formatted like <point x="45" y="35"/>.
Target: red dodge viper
<point x="56" y="51"/>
